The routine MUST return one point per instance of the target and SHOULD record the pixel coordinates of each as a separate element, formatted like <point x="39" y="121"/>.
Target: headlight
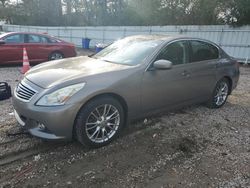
<point x="60" y="96"/>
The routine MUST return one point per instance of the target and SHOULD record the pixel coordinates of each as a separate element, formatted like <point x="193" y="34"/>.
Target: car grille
<point x="24" y="92"/>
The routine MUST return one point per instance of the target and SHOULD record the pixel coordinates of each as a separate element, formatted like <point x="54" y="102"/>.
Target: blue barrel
<point x="98" y="49"/>
<point x="85" y="43"/>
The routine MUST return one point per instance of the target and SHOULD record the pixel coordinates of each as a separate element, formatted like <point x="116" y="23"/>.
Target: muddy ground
<point x="192" y="147"/>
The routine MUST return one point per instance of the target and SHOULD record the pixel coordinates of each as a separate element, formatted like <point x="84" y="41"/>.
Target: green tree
<point x="204" y="12"/>
<point x="4" y="3"/>
<point x="235" y="12"/>
<point x="147" y="11"/>
<point x="125" y="12"/>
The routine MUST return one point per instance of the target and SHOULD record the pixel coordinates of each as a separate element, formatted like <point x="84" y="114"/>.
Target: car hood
<point x="52" y="73"/>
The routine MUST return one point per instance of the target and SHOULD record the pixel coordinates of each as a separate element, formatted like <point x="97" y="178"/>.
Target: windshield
<point x="2" y="35"/>
<point x="128" y="51"/>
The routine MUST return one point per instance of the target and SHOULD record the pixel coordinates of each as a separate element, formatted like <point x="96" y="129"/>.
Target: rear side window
<point x="175" y="52"/>
<point x="202" y="51"/>
<point x="37" y="39"/>
<point x="17" y="38"/>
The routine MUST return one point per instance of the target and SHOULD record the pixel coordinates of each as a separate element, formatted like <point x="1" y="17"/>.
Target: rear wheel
<point x="220" y="94"/>
<point x="55" y="56"/>
<point x="99" y="122"/>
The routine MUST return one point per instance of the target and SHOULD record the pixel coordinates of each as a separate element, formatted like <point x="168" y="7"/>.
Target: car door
<point x="38" y="47"/>
<point x="12" y="50"/>
<point x="202" y="66"/>
<point x="161" y="88"/>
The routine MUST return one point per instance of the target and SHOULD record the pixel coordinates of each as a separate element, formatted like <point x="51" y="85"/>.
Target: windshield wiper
<point x="108" y="61"/>
<point x="101" y="59"/>
<point x="92" y="56"/>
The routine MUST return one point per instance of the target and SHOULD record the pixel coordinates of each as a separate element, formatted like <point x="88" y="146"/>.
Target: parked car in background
<point x="92" y="98"/>
<point x="40" y="48"/>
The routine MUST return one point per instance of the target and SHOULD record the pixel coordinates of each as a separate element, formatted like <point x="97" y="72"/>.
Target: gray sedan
<point x="92" y="98"/>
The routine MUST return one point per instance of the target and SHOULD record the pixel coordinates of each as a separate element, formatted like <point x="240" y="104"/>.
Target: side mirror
<point x="2" y="42"/>
<point x="163" y="64"/>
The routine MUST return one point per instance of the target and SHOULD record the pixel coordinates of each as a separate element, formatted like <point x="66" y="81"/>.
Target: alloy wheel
<point x="221" y="93"/>
<point x="102" y="123"/>
<point x="55" y="56"/>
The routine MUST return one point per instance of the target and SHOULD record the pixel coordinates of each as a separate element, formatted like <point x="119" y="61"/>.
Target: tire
<point x="99" y="122"/>
<point x="55" y="56"/>
<point x="220" y="94"/>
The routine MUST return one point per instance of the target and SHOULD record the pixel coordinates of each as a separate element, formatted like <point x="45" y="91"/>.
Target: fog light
<point x="41" y="126"/>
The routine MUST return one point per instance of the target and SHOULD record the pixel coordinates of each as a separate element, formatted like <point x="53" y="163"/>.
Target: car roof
<point x="33" y="33"/>
<point x="8" y="33"/>
<point x="163" y="37"/>
<point x="167" y="38"/>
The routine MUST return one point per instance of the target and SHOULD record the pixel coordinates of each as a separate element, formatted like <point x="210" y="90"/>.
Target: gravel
<point x="191" y="147"/>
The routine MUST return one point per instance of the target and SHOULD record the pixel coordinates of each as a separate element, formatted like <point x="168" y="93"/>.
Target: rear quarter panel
<point x="227" y="67"/>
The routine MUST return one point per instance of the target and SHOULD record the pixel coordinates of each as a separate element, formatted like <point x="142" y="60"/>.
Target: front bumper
<point x="54" y="123"/>
<point x="36" y="129"/>
<point x="46" y="124"/>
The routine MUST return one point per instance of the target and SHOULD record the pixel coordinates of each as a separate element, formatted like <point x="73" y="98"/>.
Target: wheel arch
<point x="119" y="98"/>
<point x="230" y="83"/>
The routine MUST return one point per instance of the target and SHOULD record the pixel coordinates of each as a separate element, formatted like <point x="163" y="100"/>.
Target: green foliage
<point x="237" y="12"/>
<point x="125" y="12"/>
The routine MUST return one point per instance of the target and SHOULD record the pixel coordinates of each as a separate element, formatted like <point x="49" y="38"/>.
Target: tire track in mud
<point x="25" y="152"/>
<point x="14" y="149"/>
<point x="18" y="144"/>
<point x="29" y="146"/>
<point x="15" y="156"/>
<point x="15" y="143"/>
<point x="25" y="160"/>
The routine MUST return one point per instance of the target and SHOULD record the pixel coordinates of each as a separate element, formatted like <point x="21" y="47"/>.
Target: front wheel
<point x="55" y="56"/>
<point x="220" y="94"/>
<point x="99" y="122"/>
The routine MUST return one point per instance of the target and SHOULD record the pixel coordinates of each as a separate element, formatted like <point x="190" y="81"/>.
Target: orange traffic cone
<point x="26" y="64"/>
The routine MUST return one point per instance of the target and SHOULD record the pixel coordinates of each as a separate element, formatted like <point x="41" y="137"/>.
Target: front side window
<point x="202" y="51"/>
<point x="37" y="39"/>
<point x="17" y="38"/>
<point x="176" y="52"/>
